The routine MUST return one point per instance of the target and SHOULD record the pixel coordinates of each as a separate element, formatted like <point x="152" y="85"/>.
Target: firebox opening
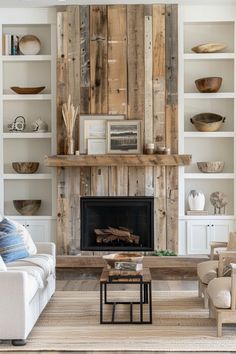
<point x="117" y="223"/>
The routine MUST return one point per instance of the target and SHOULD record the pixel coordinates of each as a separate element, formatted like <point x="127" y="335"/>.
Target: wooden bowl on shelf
<point x="27" y="90"/>
<point x="25" y="167"/>
<point x="207" y="122"/>
<point x="111" y="259"/>
<point x="211" y="166"/>
<point x="27" y="206"/>
<point x="209" y="84"/>
<point x="209" y="48"/>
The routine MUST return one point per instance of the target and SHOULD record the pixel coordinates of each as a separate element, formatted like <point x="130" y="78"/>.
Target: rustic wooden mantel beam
<point x="117" y="160"/>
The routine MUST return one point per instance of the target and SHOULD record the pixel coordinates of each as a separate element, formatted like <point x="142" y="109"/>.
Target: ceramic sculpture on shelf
<point x="219" y="202"/>
<point x="69" y="113"/>
<point x="40" y="126"/>
<point x="18" y="125"/>
<point x="196" y="200"/>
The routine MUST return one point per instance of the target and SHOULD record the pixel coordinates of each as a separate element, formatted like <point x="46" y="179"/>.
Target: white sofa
<point x="22" y="298"/>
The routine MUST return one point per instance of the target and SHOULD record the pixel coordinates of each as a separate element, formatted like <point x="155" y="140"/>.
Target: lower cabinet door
<point x="198" y="237"/>
<point x="220" y="230"/>
<point x="39" y="230"/>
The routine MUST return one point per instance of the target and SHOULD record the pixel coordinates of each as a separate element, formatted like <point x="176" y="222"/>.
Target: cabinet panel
<point x="198" y="237"/>
<point x="220" y="230"/>
<point x="39" y="230"/>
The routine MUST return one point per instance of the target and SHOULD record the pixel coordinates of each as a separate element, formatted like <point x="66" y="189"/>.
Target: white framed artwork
<point x="96" y="146"/>
<point x="93" y="126"/>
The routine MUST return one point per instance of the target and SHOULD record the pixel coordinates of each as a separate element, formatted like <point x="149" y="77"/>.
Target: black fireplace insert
<point x="117" y="223"/>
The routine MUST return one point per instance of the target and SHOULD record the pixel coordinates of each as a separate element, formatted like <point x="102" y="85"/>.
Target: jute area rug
<point x="70" y="322"/>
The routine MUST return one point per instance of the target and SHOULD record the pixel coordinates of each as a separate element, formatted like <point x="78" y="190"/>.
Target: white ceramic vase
<point x="196" y="200"/>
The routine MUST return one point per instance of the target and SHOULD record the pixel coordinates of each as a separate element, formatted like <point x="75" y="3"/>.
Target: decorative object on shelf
<point x="27" y="90"/>
<point x="196" y="200"/>
<point x="27" y="206"/>
<point x="96" y="146"/>
<point x="209" y="48"/>
<point x="124" y="137"/>
<point x="219" y="202"/>
<point x="18" y="125"/>
<point x="197" y="212"/>
<point x="93" y="127"/>
<point x="160" y="150"/>
<point x="77" y="152"/>
<point x="211" y="166"/>
<point x="150" y="148"/>
<point x="111" y="259"/>
<point x="29" y="45"/>
<point x="40" y="126"/>
<point x="207" y="122"/>
<point x="69" y="113"/>
<point x="25" y="167"/>
<point x="209" y="84"/>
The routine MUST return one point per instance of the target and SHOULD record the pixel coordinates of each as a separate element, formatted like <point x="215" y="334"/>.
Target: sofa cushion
<point x="26" y="237"/>
<point x="41" y="263"/>
<point x="3" y="267"/>
<point x="12" y="246"/>
<point x="207" y="271"/>
<point x="219" y="291"/>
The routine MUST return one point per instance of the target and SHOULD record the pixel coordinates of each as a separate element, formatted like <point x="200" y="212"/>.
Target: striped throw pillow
<point x="12" y="246"/>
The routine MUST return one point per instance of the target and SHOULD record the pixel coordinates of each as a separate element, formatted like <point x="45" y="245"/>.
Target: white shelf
<point x="199" y="95"/>
<point x="17" y="58"/>
<point x="27" y="176"/>
<point x="209" y="175"/>
<point x="207" y="217"/>
<point x="207" y="56"/>
<point x="27" y="135"/>
<point x="16" y="97"/>
<point x="31" y="217"/>
<point x="209" y="134"/>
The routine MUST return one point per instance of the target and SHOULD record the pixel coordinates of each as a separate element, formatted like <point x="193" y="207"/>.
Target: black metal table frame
<point x="145" y="296"/>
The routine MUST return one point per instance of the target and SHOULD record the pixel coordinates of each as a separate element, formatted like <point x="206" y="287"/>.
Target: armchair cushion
<point x="232" y="242"/>
<point x="219" y="291"/>
<point x="207" y="271"/>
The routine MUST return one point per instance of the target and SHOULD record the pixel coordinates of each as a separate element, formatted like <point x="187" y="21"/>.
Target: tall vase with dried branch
<point x="69" y="113"/>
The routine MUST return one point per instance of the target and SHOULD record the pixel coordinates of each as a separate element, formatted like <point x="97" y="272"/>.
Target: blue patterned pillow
<point x="12" y="246"/>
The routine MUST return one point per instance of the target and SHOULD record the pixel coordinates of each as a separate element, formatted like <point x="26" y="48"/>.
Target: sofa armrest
<point x="216" y="244"/>
<point x="46" y="247"/>
<point x="13" y="303"/>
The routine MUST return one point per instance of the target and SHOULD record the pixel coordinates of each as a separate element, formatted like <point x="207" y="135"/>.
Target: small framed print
<point x="93" y="127"/>
<point x="96" y="146"/>
<point x="124" y="137"/>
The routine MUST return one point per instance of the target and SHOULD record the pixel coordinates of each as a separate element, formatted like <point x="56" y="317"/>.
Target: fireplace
<point x="117" y="223"/>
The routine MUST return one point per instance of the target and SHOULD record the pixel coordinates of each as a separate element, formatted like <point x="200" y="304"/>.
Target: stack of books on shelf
<point x="197" y="212"/>
<point x="10" y="45"/>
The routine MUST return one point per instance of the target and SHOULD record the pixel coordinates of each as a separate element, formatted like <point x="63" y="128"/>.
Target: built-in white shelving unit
<point x="214" y="24"/>
<point x="29" y="71"/>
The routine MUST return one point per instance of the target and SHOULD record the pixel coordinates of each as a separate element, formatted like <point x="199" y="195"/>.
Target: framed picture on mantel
<point x="124" y="137"/>
<point x="93" y="126"/>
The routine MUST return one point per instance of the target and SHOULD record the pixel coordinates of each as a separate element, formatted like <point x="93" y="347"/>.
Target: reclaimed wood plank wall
<point x="120" y="59"/>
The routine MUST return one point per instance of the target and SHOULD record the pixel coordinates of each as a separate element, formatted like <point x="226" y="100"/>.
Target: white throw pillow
<point x="24" y="233"/>
<point x="3" y="267"/>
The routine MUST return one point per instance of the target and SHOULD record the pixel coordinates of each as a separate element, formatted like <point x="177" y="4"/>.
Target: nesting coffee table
<point x="145" y="296"/>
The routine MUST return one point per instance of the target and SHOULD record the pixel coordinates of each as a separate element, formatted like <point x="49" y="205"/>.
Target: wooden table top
<point x="146" y="276"/>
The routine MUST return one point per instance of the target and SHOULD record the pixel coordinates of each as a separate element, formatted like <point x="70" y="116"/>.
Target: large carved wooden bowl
<point x="27" y="206"/>
<point x="208" y="84"/>
<point x="111" y="259"/>
<point x="25" y="167"/>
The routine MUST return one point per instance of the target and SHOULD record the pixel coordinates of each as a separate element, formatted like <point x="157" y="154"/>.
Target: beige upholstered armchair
<point x="209" y="270"/>
<point x="222" y="299"/>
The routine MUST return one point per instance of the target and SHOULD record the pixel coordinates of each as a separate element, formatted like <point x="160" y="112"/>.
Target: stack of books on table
<point x="10" y="44"/>
<point x="126" y="269"/>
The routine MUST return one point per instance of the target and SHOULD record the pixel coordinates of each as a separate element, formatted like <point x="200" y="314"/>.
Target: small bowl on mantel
<point x="25" y="167"/>
<point x="211" y="166"/>
<point x="27" y="206"/>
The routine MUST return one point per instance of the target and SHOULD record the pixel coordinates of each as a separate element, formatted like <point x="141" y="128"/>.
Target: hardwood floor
<point x="88" y="280"/>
